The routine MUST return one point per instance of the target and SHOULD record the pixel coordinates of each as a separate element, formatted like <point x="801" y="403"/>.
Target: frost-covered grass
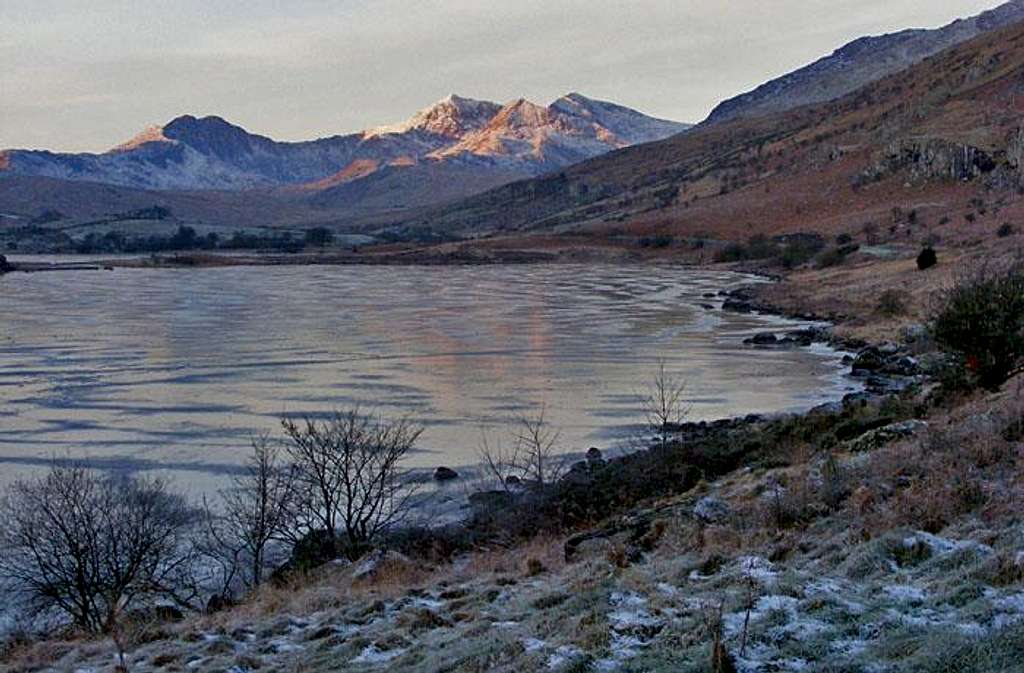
<point x="856" y="587"/>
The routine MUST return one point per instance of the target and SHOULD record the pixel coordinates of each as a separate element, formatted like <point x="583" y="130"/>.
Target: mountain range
<point x="470" y="168"/>
<point x="498" y="142"/>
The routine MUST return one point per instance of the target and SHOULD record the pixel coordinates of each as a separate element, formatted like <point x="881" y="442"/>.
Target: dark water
<point x="175" y="370"/>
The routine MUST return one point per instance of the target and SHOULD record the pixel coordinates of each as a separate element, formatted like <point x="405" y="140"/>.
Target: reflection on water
<point x="176" y="369"/>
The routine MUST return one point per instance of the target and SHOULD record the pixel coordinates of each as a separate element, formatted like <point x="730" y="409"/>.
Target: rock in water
<point x="762" y="339"/>
<point x="443" y="474"/>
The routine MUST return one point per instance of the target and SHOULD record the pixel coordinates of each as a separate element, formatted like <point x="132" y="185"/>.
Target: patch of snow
<point x="834" y="590"/>
<point x="563" y="655"/>
<point x="633" y="626"/>
<point x="283" y="645"/>
<point x="758" y="568"/>
<point x="1011" y="611"/>
<point x="371" y="654"/>
<point x="533" y="644"/>
<point x="428" y="603"/>
<point x="626" y="599"/>
<point x="734" y="621"/>
<point x="666" y="589"/>
<point x="904" y="593"/>
<point x="848" y="647"/>
<point x="760" y="659"/>
<point x="504" y="625"/>
<point x="942" y="545"/>
<point x="972" y="629"/>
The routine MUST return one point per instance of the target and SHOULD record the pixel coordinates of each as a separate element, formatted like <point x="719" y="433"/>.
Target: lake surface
<point x="174" y="370"/>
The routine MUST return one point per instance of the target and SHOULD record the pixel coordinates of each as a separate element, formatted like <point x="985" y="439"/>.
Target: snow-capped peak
<point x="151" y="134"/>
<point x="453" y="116"/>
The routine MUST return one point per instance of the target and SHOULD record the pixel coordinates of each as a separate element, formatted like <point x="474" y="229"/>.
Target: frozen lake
<point x="174" y="370"/>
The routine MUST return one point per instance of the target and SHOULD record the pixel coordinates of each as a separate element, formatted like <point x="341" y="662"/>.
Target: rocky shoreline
<point x="884" y="368"/>
<point x="597" y="487"/>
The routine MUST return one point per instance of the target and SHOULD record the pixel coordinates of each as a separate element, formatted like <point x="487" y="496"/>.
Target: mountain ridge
<point x="859" y="62"/>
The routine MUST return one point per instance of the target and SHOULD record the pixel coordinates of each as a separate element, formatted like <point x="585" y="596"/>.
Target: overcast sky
<point x="78" y="75"/>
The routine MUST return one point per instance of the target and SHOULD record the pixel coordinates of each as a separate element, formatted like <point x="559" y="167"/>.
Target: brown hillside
<point x="929" y="139"/>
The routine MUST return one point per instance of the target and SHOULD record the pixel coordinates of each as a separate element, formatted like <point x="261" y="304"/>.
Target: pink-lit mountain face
<point x="498" y="143"/>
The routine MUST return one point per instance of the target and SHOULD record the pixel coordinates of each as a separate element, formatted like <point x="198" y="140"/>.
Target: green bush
<point x="981" y="321"/>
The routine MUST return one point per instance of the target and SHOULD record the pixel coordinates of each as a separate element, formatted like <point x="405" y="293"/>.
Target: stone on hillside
<point x="372" y="563"/>
<point x="711" y="510"/>
<point x="893" y="432"/>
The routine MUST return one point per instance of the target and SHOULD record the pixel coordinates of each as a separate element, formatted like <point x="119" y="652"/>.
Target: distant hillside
<point x="926" y="136"/>
<point x="860" y="62"/>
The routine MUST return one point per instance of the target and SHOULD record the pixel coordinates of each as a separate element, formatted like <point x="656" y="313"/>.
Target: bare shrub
<point x="348" y="475"/>
<point x="664" y="404"/>
<point x="254" y="512"/>
<point x="533" y="458"/>
<point x="891" y="303"/>
<point x="93" y="547"/>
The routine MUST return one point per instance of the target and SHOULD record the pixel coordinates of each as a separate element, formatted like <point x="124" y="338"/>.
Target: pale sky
<point x="84" y="75"/>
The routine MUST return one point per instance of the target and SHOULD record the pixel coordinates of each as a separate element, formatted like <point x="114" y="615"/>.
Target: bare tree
<point x="499" y="464"/>
<point x="91" y="546"/>
<point x="254" y="512"/>
<point x="348" y="473"/>
<point x="664" y="404"/>
<point x="533" y="456"/>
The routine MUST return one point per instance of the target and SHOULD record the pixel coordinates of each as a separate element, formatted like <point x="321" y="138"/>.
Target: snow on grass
<point x="283" y="645"/>
<point x="904" y="593"/>
<point x="371" y="654"/>
<point x="633" y="627"/>
<point x="564" y="655"/>
<point x="533" y="644"/>
<point x="833" y="590"/>
<point x="942" y="545"/>
<point x="758" y="568"/>
<point x="848" y="647"/>
<point x="1011" y="611"/>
